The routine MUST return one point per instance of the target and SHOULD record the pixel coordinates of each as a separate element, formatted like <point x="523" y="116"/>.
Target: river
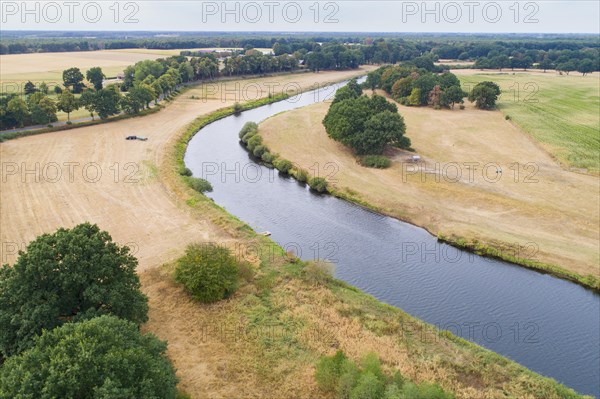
<point x="549" y="325"/>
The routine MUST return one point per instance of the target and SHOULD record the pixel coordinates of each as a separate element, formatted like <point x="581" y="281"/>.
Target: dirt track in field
<point x="93" y="174"/>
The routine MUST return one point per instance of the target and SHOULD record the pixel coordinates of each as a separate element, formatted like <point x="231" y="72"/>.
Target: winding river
<point x="544" y="323"/>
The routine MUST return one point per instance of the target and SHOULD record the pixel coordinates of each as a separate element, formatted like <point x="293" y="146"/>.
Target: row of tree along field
<point x="412" y="85"/>
<point x="151" y="80"/>
<point x="562" y="53"/>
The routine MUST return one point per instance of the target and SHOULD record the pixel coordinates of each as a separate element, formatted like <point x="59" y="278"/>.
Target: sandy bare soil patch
<point x="458" y="188"/>
<point x="93" y="174"/>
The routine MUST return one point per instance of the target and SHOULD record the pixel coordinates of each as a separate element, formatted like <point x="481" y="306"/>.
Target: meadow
<point x="559" y="111"/>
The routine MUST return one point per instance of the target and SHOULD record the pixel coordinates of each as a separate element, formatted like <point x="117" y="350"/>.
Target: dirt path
<point x="93" y="174"/>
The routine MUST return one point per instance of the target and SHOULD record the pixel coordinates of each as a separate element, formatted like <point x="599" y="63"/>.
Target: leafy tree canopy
<point x="69" y="275"/>
<point x="102" y="358"/>
<point x="366" y="124"/>
<point x="484" y="95"/>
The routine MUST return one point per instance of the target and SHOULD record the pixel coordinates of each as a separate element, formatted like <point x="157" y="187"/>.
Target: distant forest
<point x="562" y="52"/>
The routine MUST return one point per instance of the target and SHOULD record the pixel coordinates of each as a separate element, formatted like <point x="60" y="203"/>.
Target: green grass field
<point x="559" y="111"/>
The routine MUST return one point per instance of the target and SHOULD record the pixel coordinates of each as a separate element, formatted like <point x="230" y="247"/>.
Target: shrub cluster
<point x="415" y="85"/>
<point x="250" y="137"/>
<point x="199" y="184"/>
<point x="338" y="374"/>
<point x="375" y="161"/>
<point x="318" y="184"/>
<point x="208" y="272"/>
<point x="283" y="165"/>
<point x="184" y="171"/>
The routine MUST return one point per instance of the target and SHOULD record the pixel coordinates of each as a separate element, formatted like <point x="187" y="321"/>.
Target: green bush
<point x="184" y="171"/>
<point x="237" y="108"/>
<point x="348" y="379"/>
<point x="200" y="185"/>
<point x="392" y="391"/>
<point x="301" y="175"/>
<point x="253" y="142"/>
<point x="368" y="387"/>
<point x="268" y="157"/>
<point x="248" y="136"/>
<point x="424" y="391"/>
<point x="338" y="373"/>
<point x="318" y="184"/>
<point x="370" y="363"/>
<point x="259" y="150"/>
<point x="208" y="272"/>
<point x="249" y="127"/>
<point x="375" y="161"/>
<point x="507" y="117"/>
<point x="283" y="165"/>
<point x="329" y="369"/>
<point x="461" y="106"/>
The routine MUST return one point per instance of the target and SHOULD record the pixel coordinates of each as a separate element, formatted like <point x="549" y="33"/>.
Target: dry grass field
<point x="48" y="67"/>
<point x="264" y="341"/>
<point x="127" y="193"/>
<point x="456" y="190"/>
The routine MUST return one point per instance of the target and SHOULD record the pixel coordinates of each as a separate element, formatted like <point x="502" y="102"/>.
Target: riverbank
<point x="93" y="174"/>
<point x="313" y="318"/>
<point x="450" y="192"/>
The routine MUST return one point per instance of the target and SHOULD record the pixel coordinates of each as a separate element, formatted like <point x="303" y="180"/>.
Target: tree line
<point x="411" y="85"/>
<point x="151" y="80"/>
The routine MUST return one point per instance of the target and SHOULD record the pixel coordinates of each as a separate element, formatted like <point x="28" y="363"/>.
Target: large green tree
<point x="67" y="103"/>
<point x="95" y="76"/>
<point x="351" y="90"/>
<point x="452" y="95"/>
<point x="88" y="101"/>
<point x="18" y="109"/>
<point x="66" y="276"/>
<point x="73" y="78"/>
<point x="380" y="130"/>
<point x="44" y="111"/>
<point x="102" y="358"/>
<point x="484" y="95"/>
<point x="29" y="88"/>
<point x="366" y="124"/>
<point x="107" y="102"/>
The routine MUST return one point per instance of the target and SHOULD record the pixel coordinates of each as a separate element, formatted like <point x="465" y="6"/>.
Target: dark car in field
<point x="131" y="138"/>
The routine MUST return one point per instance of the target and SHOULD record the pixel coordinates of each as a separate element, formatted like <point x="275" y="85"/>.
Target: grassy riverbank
<point x="278" y="325"/>
<point x="500" y="218"/>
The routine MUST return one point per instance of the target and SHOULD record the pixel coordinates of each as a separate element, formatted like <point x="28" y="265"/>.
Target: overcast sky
<point x="555" y="16"/>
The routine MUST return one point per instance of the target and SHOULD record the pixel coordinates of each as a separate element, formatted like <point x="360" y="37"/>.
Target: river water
<point x="547" y="324"/>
